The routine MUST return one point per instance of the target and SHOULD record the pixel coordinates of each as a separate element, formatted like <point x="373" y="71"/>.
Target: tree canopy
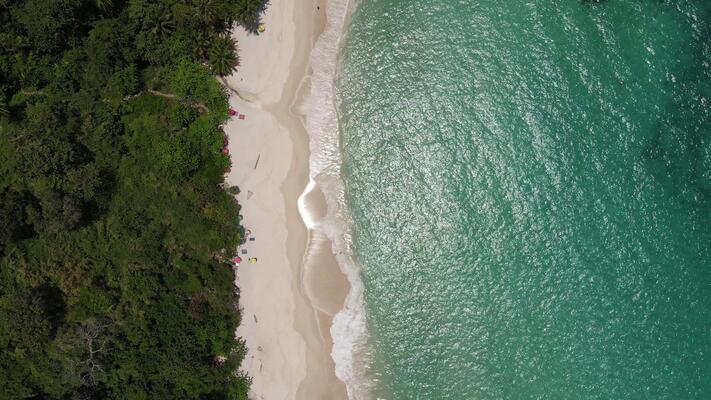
<point x="114" y="280"/>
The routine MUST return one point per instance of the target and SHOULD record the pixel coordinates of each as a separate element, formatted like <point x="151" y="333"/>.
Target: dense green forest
<point x="116" y="226"/>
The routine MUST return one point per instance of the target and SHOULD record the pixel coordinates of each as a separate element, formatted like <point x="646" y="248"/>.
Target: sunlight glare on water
<point x="530" y="185"/>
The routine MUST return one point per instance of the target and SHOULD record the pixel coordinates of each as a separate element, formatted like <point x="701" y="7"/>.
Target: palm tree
<point x="223" y="55"/>
<point x="162" y="25"/>
<point x="202" y="41"/>
<point x="208" y="9"/>
<point x="3" y="109"/>
<point x="104" y="5"/>
<point x="248" y="13"/>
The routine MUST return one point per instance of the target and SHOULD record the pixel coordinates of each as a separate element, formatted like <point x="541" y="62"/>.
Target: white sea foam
<point x="349" y="328"/>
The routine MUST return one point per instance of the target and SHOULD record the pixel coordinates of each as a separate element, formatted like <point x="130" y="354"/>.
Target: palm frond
<point x="223" y="55"/>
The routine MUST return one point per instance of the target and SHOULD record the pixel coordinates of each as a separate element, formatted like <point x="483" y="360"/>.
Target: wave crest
<point x="349" y="327"/>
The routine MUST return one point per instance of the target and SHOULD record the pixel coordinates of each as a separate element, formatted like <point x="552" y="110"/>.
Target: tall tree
<point x="208" y="9"/>
<point x="114" y="279"/>
<point x="104" y="5"/>
<point x="223" y="57"/>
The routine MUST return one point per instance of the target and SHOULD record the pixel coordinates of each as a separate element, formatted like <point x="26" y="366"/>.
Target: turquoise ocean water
<point x="530" y="187"/>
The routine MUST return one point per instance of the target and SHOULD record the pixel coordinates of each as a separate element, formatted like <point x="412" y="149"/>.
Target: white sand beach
<point x="288" y="300"/>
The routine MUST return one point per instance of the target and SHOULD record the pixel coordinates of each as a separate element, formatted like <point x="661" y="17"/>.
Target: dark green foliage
<point x="13" y="218"/>
<point x="49" y="26"/>
<point x="104" y="5"/>
<point x="223" y="58"/>
<point x="182" y="115"/>
<point x="248" y="13"/>
<point x="115" y="228"/>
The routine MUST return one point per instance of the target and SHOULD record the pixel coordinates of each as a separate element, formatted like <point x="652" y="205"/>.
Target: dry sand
<point x="291" y="294"/>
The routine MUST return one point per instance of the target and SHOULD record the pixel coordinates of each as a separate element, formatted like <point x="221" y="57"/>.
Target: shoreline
<point x="332" y="228"/>
<point x="289" y="297"/>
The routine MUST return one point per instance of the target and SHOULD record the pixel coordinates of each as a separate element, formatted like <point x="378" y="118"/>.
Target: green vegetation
<point x="116" y="231"/>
